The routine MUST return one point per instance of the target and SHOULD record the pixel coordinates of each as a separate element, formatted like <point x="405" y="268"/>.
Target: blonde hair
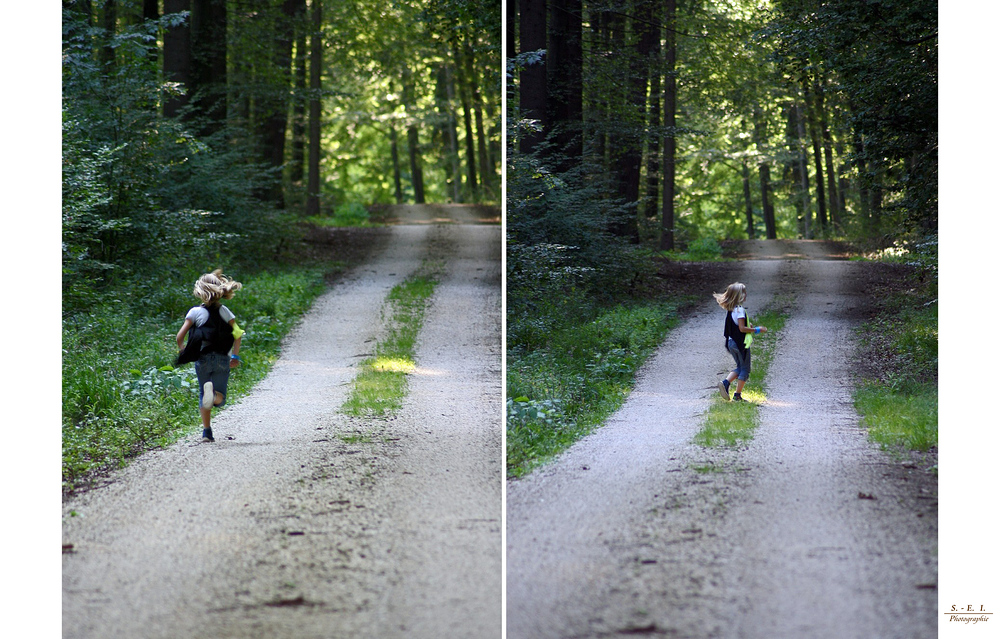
<point x="735" y="294"/>
<point x="214" y="286"/>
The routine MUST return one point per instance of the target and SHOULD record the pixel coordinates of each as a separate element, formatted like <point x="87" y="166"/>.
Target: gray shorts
<point x="214" y="368"/>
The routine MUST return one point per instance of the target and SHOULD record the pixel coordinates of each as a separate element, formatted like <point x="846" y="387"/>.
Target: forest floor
<point x="808" y="531"/>
<point x="298" y="521"/>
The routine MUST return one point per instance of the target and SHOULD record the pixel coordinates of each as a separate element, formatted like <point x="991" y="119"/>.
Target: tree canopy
<point x="638" y="125"/>
<point x="187" y="123"/>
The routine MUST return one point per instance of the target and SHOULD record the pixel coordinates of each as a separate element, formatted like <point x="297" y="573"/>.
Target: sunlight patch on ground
<point x="393" y="365"/>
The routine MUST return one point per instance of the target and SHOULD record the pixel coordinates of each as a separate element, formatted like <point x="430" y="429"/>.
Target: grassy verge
<point x="897" y="394"/>
<point x="898" y="418"/>
<point x="731" y="424"/>
<point x="560" y="392"/>
<point x="380" y="386"/>
<point x="120" y="394"/>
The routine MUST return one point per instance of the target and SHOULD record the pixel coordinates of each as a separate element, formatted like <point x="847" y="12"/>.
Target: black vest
<point x="732" y="330"/>
<point x="214" y="336"/>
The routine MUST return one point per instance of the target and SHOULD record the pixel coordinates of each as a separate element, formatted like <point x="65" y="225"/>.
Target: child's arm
<point x="750" y="329"/>
<point x="181" y="333"/>
<point x="233" y="363"/>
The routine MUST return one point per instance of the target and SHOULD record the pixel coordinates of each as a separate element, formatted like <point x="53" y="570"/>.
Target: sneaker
<point x="206" y="435"/>
<point x="724" y="388"/>
<point x="737" y="397"/>
<point x="208" y="397"/>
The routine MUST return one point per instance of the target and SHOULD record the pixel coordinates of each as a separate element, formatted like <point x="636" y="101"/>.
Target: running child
<point x="213" y="343"/>
<point x="738" y="334"/>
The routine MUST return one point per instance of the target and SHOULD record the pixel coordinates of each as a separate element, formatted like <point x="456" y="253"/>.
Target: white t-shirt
<point x="736" y="314"/>
<point x="199" y="315"/>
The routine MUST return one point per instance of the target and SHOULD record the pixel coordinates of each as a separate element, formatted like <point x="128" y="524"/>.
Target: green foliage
<point x="897" y="396"/>
<point x="121" y="395"/>
<point x="381" y="385"/>
<point x="561" y="258"/>
<point x="883" y="59"/>
<point x="375" y="50"/>
<point x="350" y="214"/>
<point x="897" y="420"/>
<point x="143" y="196"/>
<point x="560" y="392"/>
<point x="704" y="250"/>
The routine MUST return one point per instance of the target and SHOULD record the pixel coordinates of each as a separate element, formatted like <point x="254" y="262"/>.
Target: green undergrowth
<point x="732" y="424"/>
<point x="121" y="396"/>
<point x="897" y="394"/>
<point x="701" y="250"/>
<point x="899" y="418"/>
<point x="560" y="391"/>
<point x="381" y="385"/>
<point x="347" y="215"/>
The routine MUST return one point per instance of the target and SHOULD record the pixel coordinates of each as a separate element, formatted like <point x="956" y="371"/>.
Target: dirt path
<point x="299" y="522"/>
<point x="623" y="535"/>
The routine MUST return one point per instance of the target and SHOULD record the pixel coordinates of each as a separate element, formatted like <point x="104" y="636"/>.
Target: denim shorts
<point x="742" y="369"/>
<point x="213" y="367"/>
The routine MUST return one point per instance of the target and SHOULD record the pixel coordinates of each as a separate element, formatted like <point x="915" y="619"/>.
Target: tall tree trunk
<point x="843" y="181"/>
<point x="836" y="206"/>
<point x="631" y="151"/>
<point x="452" y="126"/>
<point x="796" y="134"/>
<point x="315" y="112"/>
<point x="598" y="139"/>
<point x="413" y="138"/>
<point x="615" y="25"/>
<point x="274" y="105"/>
<point x="565" y="86"/>
<point x="470" y="148"/>
<point x="533" y="91"/>
<point x="810" y="115"/>
<point x="492" y="138"/>
<point x="151" y="11"/>
<point x="298" y="160"/>
<point x="477" y="105"/>
<point x="511" y="28"/>
<point x="653" y="160"/>
<point x="670" y="123"/>
<point x="760" y="139"/>
<point x="764" y="170"/>
<point x="748" y="201"/>
<point x="208" y="62"/>
<point x="109" y="21"/>
<point x="177" y="57"/>
<point x="397" y="181"/>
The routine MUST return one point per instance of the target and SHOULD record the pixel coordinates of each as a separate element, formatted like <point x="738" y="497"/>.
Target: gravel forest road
<point x="808" y="531"/>
<point x="299" y="522"/>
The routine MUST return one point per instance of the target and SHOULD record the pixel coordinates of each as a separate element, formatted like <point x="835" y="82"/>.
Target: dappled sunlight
<point x="393" y="365"/>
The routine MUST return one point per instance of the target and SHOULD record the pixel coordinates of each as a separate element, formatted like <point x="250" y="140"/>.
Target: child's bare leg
<point x="730" y="377"/>
<point x="206" y="417"/>
<point x="739" y="385"/>
<point x="219" y="397"/>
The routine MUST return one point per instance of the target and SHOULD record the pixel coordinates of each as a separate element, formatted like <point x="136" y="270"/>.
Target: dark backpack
<point x="214" y="336"/>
